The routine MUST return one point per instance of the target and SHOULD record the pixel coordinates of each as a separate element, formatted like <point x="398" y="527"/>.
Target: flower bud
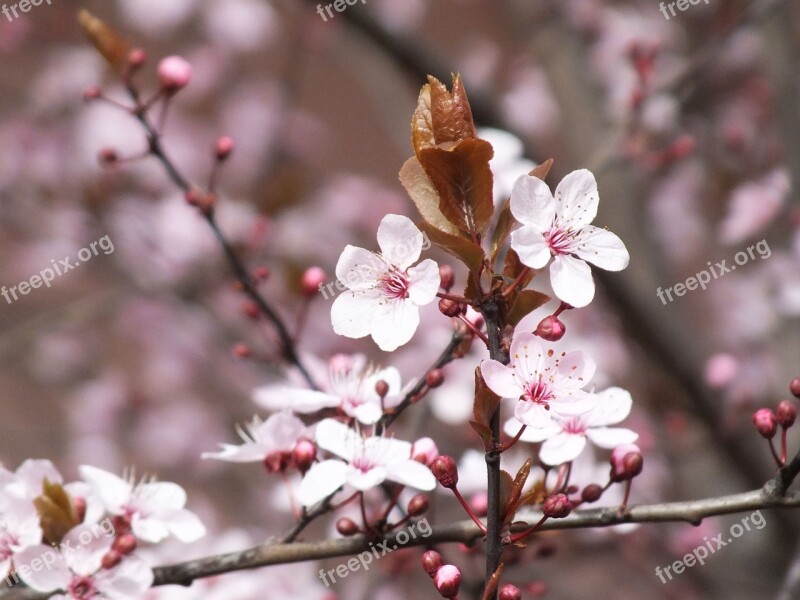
<point x="304" y="454"/>
<point x="624" y="468"/>
<point x="551" y="329"/>
<point x="79" y="506"/>
<point x="251" y="310"/>
<point x="418" y="505"/>
<point x="382" y="388"/>
<point x="786" y="413"/>
<point x="591" y="493"/>
<point x="121" y="524"/>
<point x="124" y="544"/>
<point x="445" y="470"/>
<point x="537" y="589"/>
<point x="241" y="351"/>
<point x="223" y="147"/>
<point x="346" y="527"/>
<point x="277" y="462"/>
<point x="447" y="581"/>
<point x="312" y="280"/>
<point x="425" y="451"/>
<point x="450" y="308"/>
<point x="200" y="199"/>
<point x="431" y="562"/>
<point x="93" y="93"/>
<point x="509" y="592"/>
<point x="794" y="387"/>
<point x="434" y="378"/>
<point x="557" y="506"/>
<point x="136" y="58"/>
<point x="111" y="559"/>
<point x="261" y="273"/>
<point x="174" y="73"/>
<point x="447" y="277"/>
<point x="766" y="422"/>
<point x="108" y="157"/>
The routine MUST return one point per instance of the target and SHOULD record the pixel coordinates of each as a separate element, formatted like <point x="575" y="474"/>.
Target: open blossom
<point x="279" y="433"/>
<point x="19" y="530"/>
<point x="79" y="572"/>
<point x="547" y="384"/>
<point x="351" y="388"/>
<point x="384" y="292"/>
<point x="565" y="438"/>
<point x="363" y="463"/>
<point x="154" y="509"/>
<point x="559" y="227"/>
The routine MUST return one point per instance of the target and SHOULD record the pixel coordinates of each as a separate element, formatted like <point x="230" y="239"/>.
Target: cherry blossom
<point x="545" y="383"/>
<point x="351" y="388"/>
<point x="279" y="433"/>
<point x="362" y="463"/>
<point x="559" y="227"/>
<point x="384" y="292"/>
<point x="565" y="437"/>
<point x="20" y="529"/>
<point x="155" y="509"/>
<point x="76" y="568"/>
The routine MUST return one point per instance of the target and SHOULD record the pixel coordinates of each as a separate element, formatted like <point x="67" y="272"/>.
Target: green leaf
<point x="467" y="251"/>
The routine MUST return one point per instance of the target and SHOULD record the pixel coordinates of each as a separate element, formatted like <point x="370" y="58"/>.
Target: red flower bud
<point x="124" y="544"/>
<point x="451" y="308"/>
<point x="346" y="527"/>
<point x="418" y="505"/>
<point x="786" y="413"/>
<point x="312" y="280"/>
<point x="626" y="462"/>
<point x="382" y="388"/>
<point x="510" y="592"/>
<point x="304" y="454"/>
<point x="111" y="559"/>
<point x="591" y="493"/>
<point x="174" y="73"/>
<point x="447" y="581"/>
<point x="223" y="147"/>
<point x="551" y="329"/>
<point x="794" y="387"/>
<point x="557" y="506"/>
<point x="121" y="525"/>
<point x="241" y="351"/>
<point x="108" y="156"/>
<point x="431" y="562"/>
<point x="136" y="58"/>
<point x="766" y="422"/>
<point x="93" y="93"/>
<point x="434" y="378"/>
<point x="251" y="310"/>
<point x="447" y="277"/>
<point x="445" y="470"/>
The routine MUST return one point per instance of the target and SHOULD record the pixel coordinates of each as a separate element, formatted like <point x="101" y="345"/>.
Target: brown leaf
<point x="484" y="432"/>
<point x="542" y="170"/>
<point x="451" y="115"/>
<point x="424" y="195"/>
<point x="471" y="291"/>
<point x="491" y="585"/>
<point x="467" y="251"/>
<point x="56" y="512"/>
<point x="501" y="231"/>
<point x="463" y="179"/>
<point x="107" y="41"/>
<point x="486" y="403"/>
<point x="422" y="122"/>
<point x="510" y="507"/>
<point x="506" y="486"/>
<point x="524" y="304"/>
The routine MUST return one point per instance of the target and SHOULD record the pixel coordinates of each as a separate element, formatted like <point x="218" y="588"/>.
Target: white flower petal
<point x="576" y="200"/>
<point x="278" y="397"/>
<point x="572" y="281"/>
<point x="394" y="324"/>
<point x="400" y="241"/>
<point x="129" y="580"/>
<point x="573" y="403"/>
<point x="114" y="492"/>
<point x="413" y="473"/>
<point x="337" y="438"/>
<point x="602" y="248"/>
<point x="531" y="245"/>
<point x="424" y="282"/>
<point x="248" y="452"/>
<point x="614" y="405"/>
<point x="364" y="481"/>
<point x="532" y="203"/>
<point x="321" y="481"/>
<point x="368" y="413"/>
<point x="532" y="414"/>
<point x="562" y="448"/>
<point x="56" y="576"/>
<point x="352" y="314"/>
<point x="158" y="497"/>
<point x="575" y="370"/>
<point x="500" y="379"/>
<point x="536" y="434"/>
<point x="149" y="529"/>
<point x="611" y="437"/>
<point x="358" y="269"/>
<point x="185" y="525"/>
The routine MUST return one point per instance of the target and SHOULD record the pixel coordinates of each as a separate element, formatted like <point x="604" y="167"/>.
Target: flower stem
<point x="467" y="508"/>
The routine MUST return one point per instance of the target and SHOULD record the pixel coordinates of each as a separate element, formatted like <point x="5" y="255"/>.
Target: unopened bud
<point x="79" y="506"/>
<point x="509" y="592"/>
<point x="766" y="422"/>
<point x="241" y="351"/>
<point x="346" y="527"/>
<point x="786" y="413"/>
<point x="445" y="470"/>
<point x="626" y="462"/>
<point x="136" y="58"/>
<point x="447" y="581"/>
<point x="251" y="310"/>
<point x="93" y="93"/>
<point x="261" y="273"/>
<point x="418" y="505"/>
<point x="434" y="378"/>
<point x="591" y="493"/>
<point x="277" y="462"/>
<point x="551" y="329"/>
<point x="304" y="454"/>
<point x="121" y="524"/>
<point x="557" y="506"/>
<point x="200" y="199"/>
<point x="223" y="147"/>
<point x="425" y="451"/>
<point x="312" y="279"/>
<point x="447" y="276"/>
<point x="451" y="308"/>
<point x="174" y="73"/>
<point x="111" y="559"/>
<point x="108" y="156"/>
<point x="124" y="544"/>
<point x="431" y="562"/>
<point x="794" y="387"/>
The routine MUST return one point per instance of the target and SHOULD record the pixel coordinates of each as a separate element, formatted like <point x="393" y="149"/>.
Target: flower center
<point x="363" y="464"/>
<point x="574" y="425"/>
<point x="82" y="588"/>
<point x="538" y="393"/>
<point x="6" y="542"/>
<point x="560" y="241"/>
<point x="394" y="284"/>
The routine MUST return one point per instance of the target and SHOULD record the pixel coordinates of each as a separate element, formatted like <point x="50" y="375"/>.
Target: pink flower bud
<point x="93" y="93"/>
<point x="551" y="329"/>
<point x="418" y="505"/>
<point x="261" y="273"/>
<point x="111" y="559"/>
<point x="346" y="527"/>
<point x="591" y="493"/>
<point x="445" y="470"/>
<point x="79" y="505"/>
<point x="136" y="58"/>
<point x="425" y="451"/>
<point x="794" y="387"/>
<point x="447" y="277"/>
<point x="623" y="468"/>
<point x="431" y="562"/>
<point x="766" y="422"/>
<point x="174" y="73"/>
<point x="277" y="462"/>
<point x="223" y="147"/>
<point x="786" y="413"/>
<point x="510" y="592"/>
<point x="537" y="589"/>
<point x="434" y="378"/>
<point x="447" y="581"/>
<point x="304" y="454"/>
<point x="251" y="310"/>
<point x="124" y="544"/>
<point x="557" y="506"/>
<point x="241" y="351"/>
<point x="108" y="157"/>
<point x="312" y="280"/>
